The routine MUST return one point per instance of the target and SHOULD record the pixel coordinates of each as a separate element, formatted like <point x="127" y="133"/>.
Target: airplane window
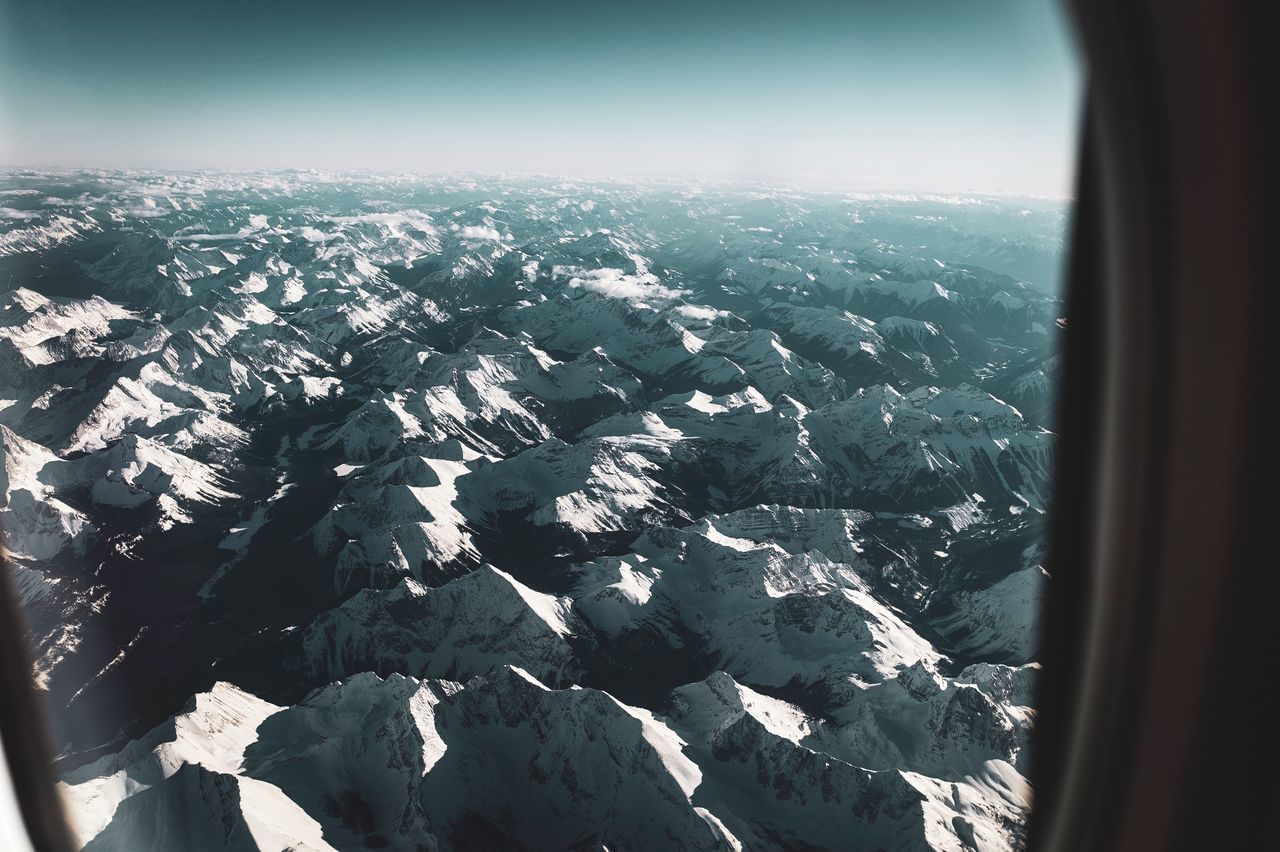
<point x="552" y="426"/>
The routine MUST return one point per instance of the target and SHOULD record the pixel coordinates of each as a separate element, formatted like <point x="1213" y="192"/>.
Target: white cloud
<point x="699" y="312"/>
<point x="479" y="232"/>
<point x="617" y="284"/>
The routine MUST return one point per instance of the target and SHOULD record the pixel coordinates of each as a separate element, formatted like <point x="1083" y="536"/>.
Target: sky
<point x="919" y="95"/>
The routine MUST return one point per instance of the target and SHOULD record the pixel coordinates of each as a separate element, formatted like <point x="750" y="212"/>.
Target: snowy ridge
<point x="392" y="762"/>
<point x="464" y="628"/>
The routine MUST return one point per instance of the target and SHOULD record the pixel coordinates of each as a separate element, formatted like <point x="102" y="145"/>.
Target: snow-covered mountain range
<point x="395" y="512"/>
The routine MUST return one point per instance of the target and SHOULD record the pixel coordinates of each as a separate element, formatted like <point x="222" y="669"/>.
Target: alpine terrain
<point x="360" y="511"/>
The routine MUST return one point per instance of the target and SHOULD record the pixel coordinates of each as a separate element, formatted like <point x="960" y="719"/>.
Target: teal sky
<point x="941" y="95"/>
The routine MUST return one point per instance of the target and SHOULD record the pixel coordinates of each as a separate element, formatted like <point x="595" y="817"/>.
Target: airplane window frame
<point x="1123" y="561"/>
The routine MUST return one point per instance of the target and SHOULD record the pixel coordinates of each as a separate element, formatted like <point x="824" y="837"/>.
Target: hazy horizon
<point x="915" y="96"/>
<point x="812" y="188"/>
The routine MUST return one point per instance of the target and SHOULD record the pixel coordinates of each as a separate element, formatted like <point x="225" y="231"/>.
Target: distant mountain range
<point x="378" y="512"/>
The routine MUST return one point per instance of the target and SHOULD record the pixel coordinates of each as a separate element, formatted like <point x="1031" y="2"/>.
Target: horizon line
<point x="815" y="186"/>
